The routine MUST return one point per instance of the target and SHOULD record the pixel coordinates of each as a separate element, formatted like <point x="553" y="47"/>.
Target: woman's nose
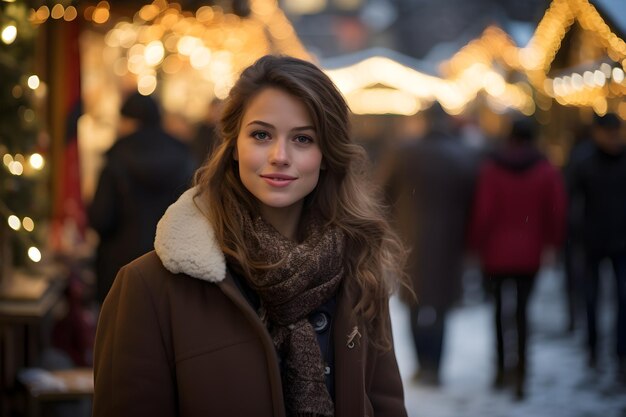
<point x="279" y="154"/>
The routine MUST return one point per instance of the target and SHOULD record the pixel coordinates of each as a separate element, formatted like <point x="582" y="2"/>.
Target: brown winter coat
<point x="177" y="338"/>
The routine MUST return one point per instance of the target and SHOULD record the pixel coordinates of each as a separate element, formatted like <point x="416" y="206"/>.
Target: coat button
<point x="319" y="321"/>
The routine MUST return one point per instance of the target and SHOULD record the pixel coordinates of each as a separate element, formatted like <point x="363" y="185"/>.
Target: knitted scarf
<point x="307" y="274"/>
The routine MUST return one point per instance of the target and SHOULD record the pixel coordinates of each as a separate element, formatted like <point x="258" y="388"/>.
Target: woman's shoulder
<point x="146" y="271"/>
<point x="148" y="264"/>
<point x="147" y="274"/>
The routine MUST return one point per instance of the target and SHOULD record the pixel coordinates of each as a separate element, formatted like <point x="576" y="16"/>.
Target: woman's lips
<point x="278" y="180"/>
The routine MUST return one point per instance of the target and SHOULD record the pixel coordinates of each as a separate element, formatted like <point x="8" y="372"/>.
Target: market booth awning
<point x="507" y="75"/>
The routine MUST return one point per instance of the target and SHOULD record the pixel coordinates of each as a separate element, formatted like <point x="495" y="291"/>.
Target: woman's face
<point x="278" y="152"/>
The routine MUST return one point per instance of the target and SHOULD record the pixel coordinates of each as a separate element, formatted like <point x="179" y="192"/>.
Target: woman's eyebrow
<point x="271" y="126"/>
<point x="260" y="122"/>
<point x="301" y="128"/>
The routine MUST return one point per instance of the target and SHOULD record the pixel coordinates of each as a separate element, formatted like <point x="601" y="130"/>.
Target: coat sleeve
<point x="386" y="393"/>
<point x="133" y="370"/>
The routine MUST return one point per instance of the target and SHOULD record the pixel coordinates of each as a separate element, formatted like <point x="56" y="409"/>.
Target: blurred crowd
<point x="504" y="207"/>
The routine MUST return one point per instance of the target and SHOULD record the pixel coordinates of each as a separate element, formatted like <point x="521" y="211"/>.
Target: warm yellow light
<point x="36" y="161"/>
<point x="200" y="57"/>
<point x="589" y="79"/>
<point x="599" y="78"/>
<point x="493" y="83"/>
<point x="120" y="67"/>
<point x="14" y="222"/>
<point x="57" y="11"/>
<point x="262" y="8"/>
<point x="205" y="14"/>
<point x="88" y="13"/>
<point x="9" y="33"/>
<point x="34" y="254"/>
<point x="578" y="82"/>
<point x="187" y="44"/>
<point x="304" y="6"/>
<point x="149" y="12"/>
<point x="154" y="53"/>
<point x="146" y="84"/>
<point x="172" y="64"/>
<point x="100" y="15"/>
<point x="28" y="224"/>
<point x="33" y="82"/>
<point x="621" y="109"/>
<point x="600" y="106"/>
<point x="16" y="168"/>
<point x="43" y="13"/>
<point x="383" y="101"/>
<point x="70" y="14"/>
<point x="7" y="159"/>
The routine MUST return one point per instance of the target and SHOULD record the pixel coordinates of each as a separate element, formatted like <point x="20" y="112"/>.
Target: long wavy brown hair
<point x="374" y="257"/>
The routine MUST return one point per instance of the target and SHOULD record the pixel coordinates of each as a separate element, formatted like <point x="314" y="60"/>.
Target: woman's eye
<point x="303" y="139"/>
<point x="260" y="135"/>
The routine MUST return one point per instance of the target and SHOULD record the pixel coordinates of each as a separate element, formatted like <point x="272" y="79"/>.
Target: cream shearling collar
<point x="185" y="241"/>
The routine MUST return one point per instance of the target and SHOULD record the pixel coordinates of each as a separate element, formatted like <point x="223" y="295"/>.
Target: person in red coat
<point x="519" y="210"/>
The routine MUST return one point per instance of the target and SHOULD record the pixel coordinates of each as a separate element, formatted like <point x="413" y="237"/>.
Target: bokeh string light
<point x="164" y="39"/>
<point x="590" y="88"/>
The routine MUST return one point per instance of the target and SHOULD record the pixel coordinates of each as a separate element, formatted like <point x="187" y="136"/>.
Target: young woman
<point x="267" y="292"/>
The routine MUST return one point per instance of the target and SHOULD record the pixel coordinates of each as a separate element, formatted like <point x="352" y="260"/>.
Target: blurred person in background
<point x="431" y="188"/>
<point x="145" y="171"/>
<point x="600" y="180"/>
<point x="573" y="248"/>
<point x="519" y="211"/>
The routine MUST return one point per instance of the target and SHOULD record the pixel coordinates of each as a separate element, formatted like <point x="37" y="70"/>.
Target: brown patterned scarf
<point x="307" y="275"/>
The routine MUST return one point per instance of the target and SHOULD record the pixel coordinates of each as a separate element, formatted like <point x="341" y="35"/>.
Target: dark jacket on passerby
<point x="519" y="208"/>
<point x="601" y="179"/>
<point x="143" y="174"/>
<point x="431" y="190"/>
<point x="177" y="337"/>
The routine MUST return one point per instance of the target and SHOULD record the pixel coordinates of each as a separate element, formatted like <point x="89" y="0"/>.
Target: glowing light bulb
<point x="16" y="168"/>
<point x="33" y="82"/>
<point x="9" y="33"/>
<point x="36" y="161"/>
<point x="34" y="254"/>
<point x="28" y="224"/>
<point x="14" y="222"/>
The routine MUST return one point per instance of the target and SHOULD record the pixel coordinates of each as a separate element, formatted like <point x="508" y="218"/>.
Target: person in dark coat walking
<point x="573" y="248"/>
<point x="519" y="210"/>
<point x="600" y="180"/>
<point x="431" y="189"/>
<point x="145" y="171"/>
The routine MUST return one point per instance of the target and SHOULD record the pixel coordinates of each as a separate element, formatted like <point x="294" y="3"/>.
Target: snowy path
<point x="559" y="383"/>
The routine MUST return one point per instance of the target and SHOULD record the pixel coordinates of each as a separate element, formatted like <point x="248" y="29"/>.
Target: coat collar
<point x="185" y="241"/>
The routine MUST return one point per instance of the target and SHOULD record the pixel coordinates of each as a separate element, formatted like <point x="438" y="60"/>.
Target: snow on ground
<point x="559" y="382"/>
